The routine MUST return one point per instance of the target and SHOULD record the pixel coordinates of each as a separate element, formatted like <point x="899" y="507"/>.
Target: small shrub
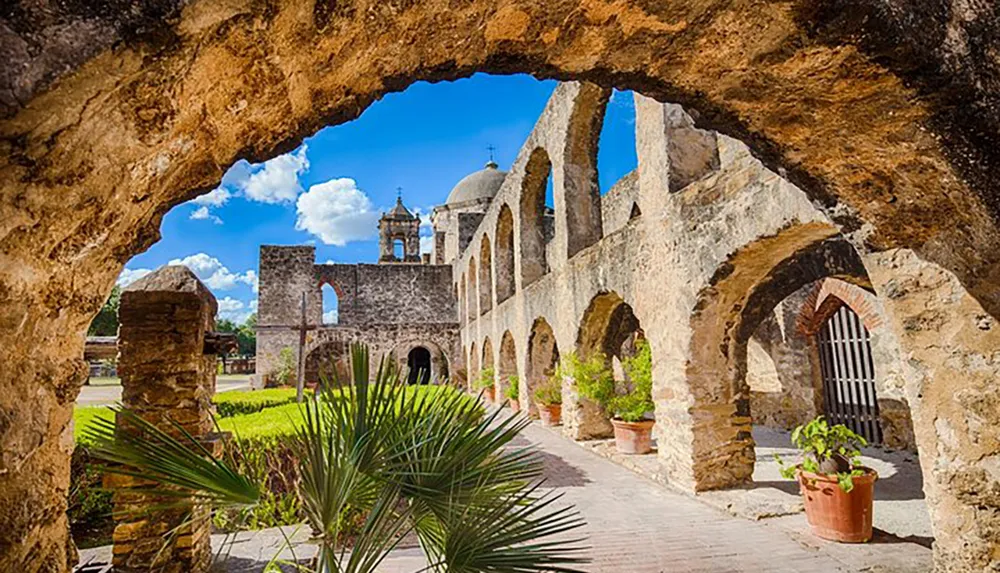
<point x="628" y="400"/>
<point x="549" y="393"/>
<point x="827" y="450"/>
<point x="486" y="378"/>
<point x="90" y="505"/>
<point x="512" y="391"/>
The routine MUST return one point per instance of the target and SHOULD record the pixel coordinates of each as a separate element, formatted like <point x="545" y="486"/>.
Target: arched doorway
<point x="609" y="327"/>
<point x="418" y="365"/>
<point x="543" y="356"/>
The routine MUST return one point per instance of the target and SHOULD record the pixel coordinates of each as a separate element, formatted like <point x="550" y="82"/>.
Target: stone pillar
<point x="951" y="346"/>
<point x="166" y="375"/>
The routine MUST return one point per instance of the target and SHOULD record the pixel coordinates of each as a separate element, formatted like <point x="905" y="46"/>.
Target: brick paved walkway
<point x="637" y="526"/>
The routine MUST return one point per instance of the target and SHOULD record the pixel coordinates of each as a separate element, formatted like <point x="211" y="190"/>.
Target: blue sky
<point x="330" y="191"/>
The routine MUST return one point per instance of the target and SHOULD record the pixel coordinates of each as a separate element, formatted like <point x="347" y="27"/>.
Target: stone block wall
<point x="166" y="377"/>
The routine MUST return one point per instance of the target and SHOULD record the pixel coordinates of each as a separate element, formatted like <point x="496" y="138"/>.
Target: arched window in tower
<point x="330" y="304"/>
<point x="398" y="249"/>
<point x="399" y="235"/>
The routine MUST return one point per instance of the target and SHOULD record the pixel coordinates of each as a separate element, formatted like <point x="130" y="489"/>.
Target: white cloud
<point x="278" y="180"/>
<point x="215" y="198"/>
<point x="426" y="244"/>
<point x="337" y="212"/>
<point x="235" y="310"/>
<point x="129" y="276"/>
<point x="253" y="305"/>
<point x="201" y="213"/>
<point x="214" y="274"/>
<point x="330" y="317"/>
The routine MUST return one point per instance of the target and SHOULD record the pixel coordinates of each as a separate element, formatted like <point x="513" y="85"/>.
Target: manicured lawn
<point x="260" y="413"/>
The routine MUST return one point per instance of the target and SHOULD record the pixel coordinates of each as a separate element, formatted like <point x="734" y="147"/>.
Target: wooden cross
<point x="300" y="381"/>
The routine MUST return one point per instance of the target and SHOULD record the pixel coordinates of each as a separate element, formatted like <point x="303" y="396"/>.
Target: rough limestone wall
<point x="952" y="350"/>
<point x="617" y="203"/>
<point x="781" y="368"/>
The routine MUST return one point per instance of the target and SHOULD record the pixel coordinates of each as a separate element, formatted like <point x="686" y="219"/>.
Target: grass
<point x="257" y="414"/>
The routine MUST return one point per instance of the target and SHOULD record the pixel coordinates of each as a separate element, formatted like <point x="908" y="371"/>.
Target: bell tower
<point x="399" y="225"/>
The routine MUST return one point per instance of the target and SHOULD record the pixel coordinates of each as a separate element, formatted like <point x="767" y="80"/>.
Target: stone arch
<point x="540" y="361"/>
<point x="609" y="326"/>
<point x="507" y="362"/>
<point x="440" y="366"/>
<point x="581" y="191"/>
<point x="487" y="362"/>
<point x="473" y="290"/>
<point x="727" y="312"/>
<point x="83" y="132"/>
<point x="504" y="264"/>
<point x="463" y="303"/>
<point x="485" y="278"/>
<point x="533" y="259"/>
<point x="473" y="370"/>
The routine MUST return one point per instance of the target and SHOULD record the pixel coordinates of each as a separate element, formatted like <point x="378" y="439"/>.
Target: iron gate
<point x="849" y="374"/>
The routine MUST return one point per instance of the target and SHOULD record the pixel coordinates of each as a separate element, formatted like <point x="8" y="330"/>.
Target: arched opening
<point x="473" y="367"/>
<point x="579" y="174"/>
<point x="463" y="303"/>
<point x="724" y="319"/>
<point x="505" y="254"/>
<point x="485" y="280"/>
<point x="534" y="263"/>
<point x="616" y="152"/>
<point x="488" y="371"/>
<point x="418" y="366"/>
<point x="542" y="358"/>
<point x="507" y="366"/>
<point x="473" y="290"/>
<point x="330" y="304"/>
<point x="610" y="328"/>
<point x="399" y="249"/>
<point x="328" y="363"/>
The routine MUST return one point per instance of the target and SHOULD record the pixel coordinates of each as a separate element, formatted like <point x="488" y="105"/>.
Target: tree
<point x="106" y="321"/>
<point x="246" y="334"/>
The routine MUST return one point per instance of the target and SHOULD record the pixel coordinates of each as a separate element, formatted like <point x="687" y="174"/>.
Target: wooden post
<point x="300" y="380"/>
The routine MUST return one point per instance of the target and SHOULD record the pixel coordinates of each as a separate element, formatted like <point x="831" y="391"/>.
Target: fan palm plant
<point x="435" y="465"/>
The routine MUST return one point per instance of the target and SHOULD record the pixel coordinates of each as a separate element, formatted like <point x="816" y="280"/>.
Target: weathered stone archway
<point x="886" y="116"/>
<point x="540" y="361"/>
<point x="507" y="362"/>
<point x="485" y="276"/>
<point x="473" y="296"/>
<point x="505" y="282"/>
<point x="532" y="217"/>
<point x="724" y="318"/>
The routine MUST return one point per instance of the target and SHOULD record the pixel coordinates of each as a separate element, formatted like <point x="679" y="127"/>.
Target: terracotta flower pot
<point x="835" y="515"/>
<point x="490" y="394"/>
<point x="633" y="437"/>
<point x="515" y="406"/>
<point x="550" y="414"/>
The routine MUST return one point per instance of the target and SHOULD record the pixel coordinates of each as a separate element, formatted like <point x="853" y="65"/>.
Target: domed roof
<point x="482" y="184"/>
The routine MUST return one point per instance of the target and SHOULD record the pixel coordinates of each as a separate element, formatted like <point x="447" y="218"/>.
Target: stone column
<point x="951" y="350"/>
<point x="166" y="375"/>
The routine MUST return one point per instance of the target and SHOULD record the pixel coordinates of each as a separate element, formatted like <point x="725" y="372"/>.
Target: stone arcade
<point x="882" y="113"/>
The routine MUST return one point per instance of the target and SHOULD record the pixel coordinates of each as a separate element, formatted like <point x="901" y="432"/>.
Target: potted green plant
<point x="512" y="392"/>
<point x="548" y="398"/>
<point x="486" y="383"/>
<point x="626" y="401"/>
<point x="836" y="489"/>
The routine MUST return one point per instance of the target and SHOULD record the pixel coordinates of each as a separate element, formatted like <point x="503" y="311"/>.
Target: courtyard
<point x="635" y="525"/>
<point x="702" y="247"/>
